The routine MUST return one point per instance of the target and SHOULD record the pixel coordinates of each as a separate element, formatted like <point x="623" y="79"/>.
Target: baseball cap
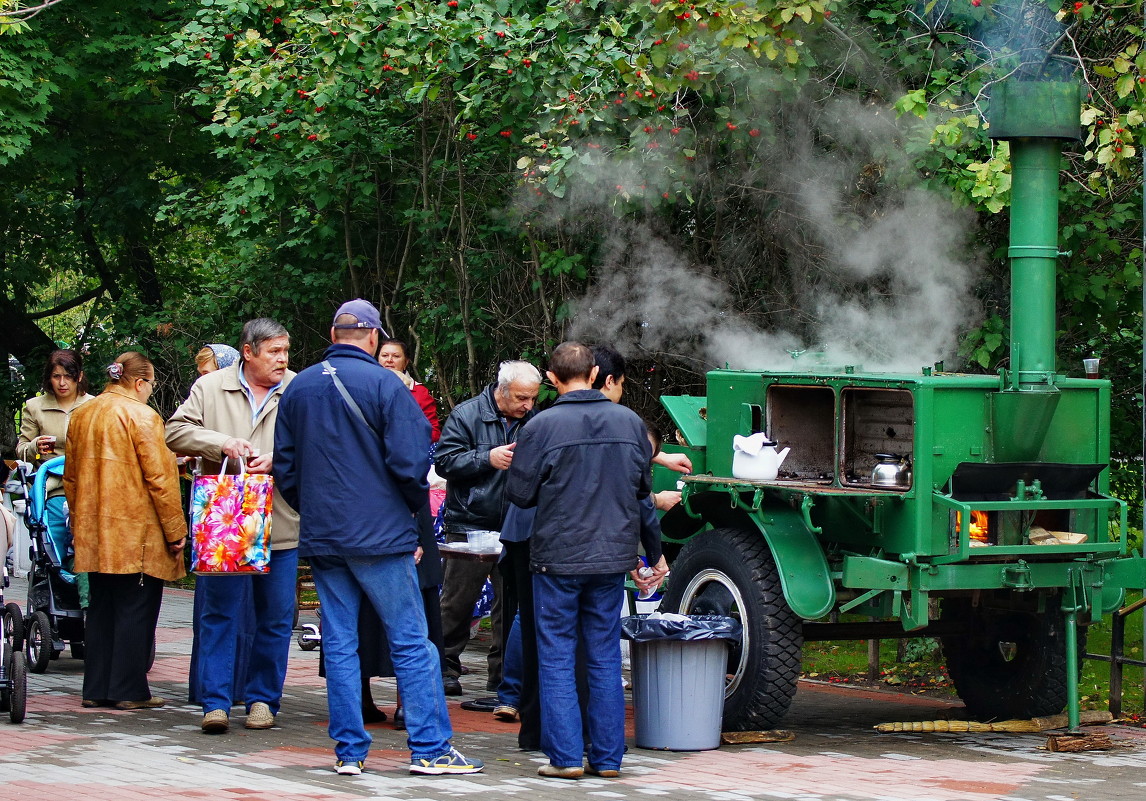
<point x="363" y="311"/>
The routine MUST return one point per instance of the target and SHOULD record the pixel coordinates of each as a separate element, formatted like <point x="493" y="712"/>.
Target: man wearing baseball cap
<point x="351" y="455"/>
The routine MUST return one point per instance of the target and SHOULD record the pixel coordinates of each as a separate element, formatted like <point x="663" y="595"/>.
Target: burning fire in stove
<point x="979" y="526"/>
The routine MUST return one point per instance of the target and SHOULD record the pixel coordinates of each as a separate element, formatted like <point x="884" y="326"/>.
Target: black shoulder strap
<point x="329" y="370"/>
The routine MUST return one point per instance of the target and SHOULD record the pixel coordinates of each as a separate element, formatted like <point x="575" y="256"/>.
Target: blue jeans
<point x="390" y="585"/>
<point x="272" y="599"/>
<point x="580" y="611"/>
<point x="509" y="691"/>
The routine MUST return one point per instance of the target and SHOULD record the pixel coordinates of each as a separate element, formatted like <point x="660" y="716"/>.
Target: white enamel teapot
<point x="755" y="457"/>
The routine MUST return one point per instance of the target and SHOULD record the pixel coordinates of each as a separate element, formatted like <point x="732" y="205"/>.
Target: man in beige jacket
<point x="231" y="412"/>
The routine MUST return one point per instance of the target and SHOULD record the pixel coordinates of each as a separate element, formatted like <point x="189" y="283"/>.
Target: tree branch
<point x="94" y="292"/>
<point x="13" y="13"/>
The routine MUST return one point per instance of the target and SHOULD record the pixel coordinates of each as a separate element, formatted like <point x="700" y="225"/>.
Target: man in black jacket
<point x="474" y="452"/>
<point x="584" y="465"/>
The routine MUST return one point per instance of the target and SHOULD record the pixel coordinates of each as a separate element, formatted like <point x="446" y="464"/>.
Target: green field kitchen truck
<point x="972" y="508"/>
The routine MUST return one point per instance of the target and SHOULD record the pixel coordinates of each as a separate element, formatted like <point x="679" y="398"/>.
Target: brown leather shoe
<point x="215" y="722"/>
<point x="604" y="773"/>
<point x="91" y="703"/>
<point x="259" y="716"/>
<point x="154" y="702"/>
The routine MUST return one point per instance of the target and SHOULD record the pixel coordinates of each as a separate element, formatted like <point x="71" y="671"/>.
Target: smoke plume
<point x="875" y="269"/>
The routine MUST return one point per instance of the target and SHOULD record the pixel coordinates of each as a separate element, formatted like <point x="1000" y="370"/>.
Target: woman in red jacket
<point x="395" y="356"/>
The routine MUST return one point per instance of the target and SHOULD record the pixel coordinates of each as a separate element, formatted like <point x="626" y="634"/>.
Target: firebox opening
<point x="1010" y="528"/>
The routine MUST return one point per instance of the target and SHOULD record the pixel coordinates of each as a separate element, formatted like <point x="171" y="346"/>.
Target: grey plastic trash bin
<point x="678" y="670"/>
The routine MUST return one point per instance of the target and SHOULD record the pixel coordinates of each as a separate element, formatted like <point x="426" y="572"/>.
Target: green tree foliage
<point x="477" y="168"/>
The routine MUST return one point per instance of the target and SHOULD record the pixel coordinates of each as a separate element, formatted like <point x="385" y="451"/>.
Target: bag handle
<point x="328" y="369"/>
<point x="242" y="466"/>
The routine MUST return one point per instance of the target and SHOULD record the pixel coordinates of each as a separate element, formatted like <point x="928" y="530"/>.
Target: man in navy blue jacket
<point x="351" y="449"/>
<point x="584" y="464"/>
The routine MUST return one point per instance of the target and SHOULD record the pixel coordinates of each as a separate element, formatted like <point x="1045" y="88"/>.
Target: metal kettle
<point x="891" y="470"/>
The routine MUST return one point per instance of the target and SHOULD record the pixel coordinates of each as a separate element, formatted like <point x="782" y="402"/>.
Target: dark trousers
<point x="517" y="586"/>
<point x="434" y="621"/>
<point x="119" y="634"/>
<point x="461" y="587"/>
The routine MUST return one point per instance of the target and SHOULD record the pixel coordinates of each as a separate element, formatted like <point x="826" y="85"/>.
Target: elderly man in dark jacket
<point x="474" y="452"/>
<point x="584" y="464"/>
<point x="351" y="456"/>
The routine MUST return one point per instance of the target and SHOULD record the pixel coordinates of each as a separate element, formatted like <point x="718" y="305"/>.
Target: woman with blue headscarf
<point x="215" y="357"/>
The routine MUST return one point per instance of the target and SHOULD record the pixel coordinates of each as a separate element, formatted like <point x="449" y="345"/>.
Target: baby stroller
<point x="13" y="665"/>
<point x="54" y="612"/>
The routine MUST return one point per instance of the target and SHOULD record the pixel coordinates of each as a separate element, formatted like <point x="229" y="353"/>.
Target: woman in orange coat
<point x="122" y="487"/>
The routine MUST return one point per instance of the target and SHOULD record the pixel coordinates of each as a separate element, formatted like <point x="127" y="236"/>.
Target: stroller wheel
<point x="14" y="626"/>
<point x="18" y="698"/>
<point x="6" y="681"/>
<point x="39" y="641"/>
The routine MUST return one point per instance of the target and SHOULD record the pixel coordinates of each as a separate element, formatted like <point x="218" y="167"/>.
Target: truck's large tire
<point x="1010" y="664"/>
<point x="731" y="572"/>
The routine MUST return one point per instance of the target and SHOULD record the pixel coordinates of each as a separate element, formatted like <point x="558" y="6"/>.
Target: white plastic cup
<point x="1091" y="367"/>
<point x="484" y="540"/>
<point x="645" y="595"/>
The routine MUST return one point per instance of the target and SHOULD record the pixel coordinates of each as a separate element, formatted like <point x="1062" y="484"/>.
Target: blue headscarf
<point x="225" y="355"/>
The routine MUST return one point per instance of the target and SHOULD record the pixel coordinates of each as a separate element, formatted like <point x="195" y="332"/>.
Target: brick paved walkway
<point x="65" y="752"/>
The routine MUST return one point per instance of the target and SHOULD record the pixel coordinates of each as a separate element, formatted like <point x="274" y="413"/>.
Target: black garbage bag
<point x="646" y="628"/>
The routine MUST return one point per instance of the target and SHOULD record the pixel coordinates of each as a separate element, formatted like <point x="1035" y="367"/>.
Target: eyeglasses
<point x="148" y="380"/>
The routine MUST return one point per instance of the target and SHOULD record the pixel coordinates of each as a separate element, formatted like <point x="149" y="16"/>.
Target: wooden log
<point x="770" y="736"/>
<point x="1086" y="718"/>
<point x="1070" y="743"/>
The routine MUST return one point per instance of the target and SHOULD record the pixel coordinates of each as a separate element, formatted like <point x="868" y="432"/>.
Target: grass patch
<point x="922" y="669"/>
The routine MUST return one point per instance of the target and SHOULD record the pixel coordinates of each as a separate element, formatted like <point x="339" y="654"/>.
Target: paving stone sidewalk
<point x="65" y="752"/>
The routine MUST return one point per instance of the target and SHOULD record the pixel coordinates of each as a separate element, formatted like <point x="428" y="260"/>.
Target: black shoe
<point x="481" y="704"/>
<point x="451" y="685"/>
<point x="399" y="718"/>
<point x="372" y="714"/>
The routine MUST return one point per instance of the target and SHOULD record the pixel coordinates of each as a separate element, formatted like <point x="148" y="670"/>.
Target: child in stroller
<point x="55" y="615"/>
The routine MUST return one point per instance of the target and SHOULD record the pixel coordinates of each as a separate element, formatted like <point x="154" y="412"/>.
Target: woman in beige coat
<point x="129" y="530"/>
<point x="44" y="418"/>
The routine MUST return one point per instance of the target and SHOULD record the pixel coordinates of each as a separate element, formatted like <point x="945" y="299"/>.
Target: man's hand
<point x="262" y="464"/>
<point x="653" y="581"/>
<point x="236" y="448"/>
<point x="501" y="458"/>
<point x="674" y="461"/>
<point x="418" y="554"/>
<point x="666" y="499"/>
<point x="176" y="547"/>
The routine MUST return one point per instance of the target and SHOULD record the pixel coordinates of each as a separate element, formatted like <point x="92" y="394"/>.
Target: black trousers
<point x="517" y="586"/>
<point x="119" y="633"/>
<point x="461" y="587"/>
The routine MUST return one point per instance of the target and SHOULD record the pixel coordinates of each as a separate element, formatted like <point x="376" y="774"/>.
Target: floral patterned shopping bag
<point x="231" y="523"/>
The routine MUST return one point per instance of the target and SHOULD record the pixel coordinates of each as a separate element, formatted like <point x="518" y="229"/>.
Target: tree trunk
<point x="20" y="336"/>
